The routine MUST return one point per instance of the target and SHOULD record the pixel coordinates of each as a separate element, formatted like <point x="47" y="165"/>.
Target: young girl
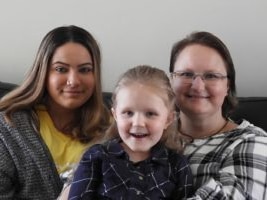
<point x="139" y="159"/>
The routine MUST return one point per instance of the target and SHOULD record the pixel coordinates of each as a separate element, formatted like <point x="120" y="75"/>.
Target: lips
<point x="138" y="132"/>
<point x="138" y="135"/>
<point x="72" y="91"/>
<point x="197" y="96"/>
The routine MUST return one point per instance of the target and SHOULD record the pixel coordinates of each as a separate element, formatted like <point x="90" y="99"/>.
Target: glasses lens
<point x="209" y="78"/>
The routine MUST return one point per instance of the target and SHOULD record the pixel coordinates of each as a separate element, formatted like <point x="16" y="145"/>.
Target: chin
<point x="194" y="110"/>
<point x="72" y="106"/>
<point x="140" y="149"/>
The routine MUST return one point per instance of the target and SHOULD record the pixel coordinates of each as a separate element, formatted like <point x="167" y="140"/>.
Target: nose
<point x="73" y="78"/>
<point x="198" y="82"/>
<point x="198" y="75"/>
<point x="138" y="120"/>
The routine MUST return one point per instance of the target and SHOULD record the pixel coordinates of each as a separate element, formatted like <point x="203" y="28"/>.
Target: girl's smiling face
<point x="141" y="115"/>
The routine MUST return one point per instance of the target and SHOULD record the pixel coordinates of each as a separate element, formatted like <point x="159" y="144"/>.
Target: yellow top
<point x="65" y="151"/>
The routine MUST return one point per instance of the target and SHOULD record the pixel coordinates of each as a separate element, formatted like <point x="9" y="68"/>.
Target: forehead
<point x="71" y="50"/>
<point x="141" y="91"/>
<point x="200" y="56"/>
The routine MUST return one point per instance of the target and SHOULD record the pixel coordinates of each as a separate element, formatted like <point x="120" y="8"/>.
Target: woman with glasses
<point x="227" y="158"/>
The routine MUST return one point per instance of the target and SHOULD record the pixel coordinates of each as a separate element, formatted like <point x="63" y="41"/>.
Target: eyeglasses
<point x="187" y="77"/>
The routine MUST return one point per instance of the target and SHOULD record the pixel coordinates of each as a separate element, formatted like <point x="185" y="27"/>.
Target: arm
<point x="87" y="176"/>
<point x="242" y="174"/>
<point x="7" y="174"/>
<point x="65" y="193"/>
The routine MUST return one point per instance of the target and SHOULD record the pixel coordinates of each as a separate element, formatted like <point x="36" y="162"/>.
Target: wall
<point x="138" y="32"/>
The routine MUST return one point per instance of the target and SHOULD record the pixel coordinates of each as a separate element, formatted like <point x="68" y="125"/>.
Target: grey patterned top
<point x="231" y="165"/>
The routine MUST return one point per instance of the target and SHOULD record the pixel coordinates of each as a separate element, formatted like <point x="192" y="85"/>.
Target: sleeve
<point x="243" y="174"/>
<point x="7" y="174"/>
<point x="87" y="176"/>
<point x="184" y="179"/>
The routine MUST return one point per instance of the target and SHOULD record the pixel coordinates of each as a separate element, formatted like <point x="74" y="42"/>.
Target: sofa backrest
<point x="5" y="88"/>
<point x="253" y="109"/>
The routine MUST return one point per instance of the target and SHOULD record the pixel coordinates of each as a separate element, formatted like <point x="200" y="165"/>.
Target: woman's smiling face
<point x="70" y="79"/>
<point x="200" y="97"/>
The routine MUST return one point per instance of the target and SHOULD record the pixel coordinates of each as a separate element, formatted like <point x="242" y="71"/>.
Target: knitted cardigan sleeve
<point x="7" y="174"/>
<point x="27" y="170"/>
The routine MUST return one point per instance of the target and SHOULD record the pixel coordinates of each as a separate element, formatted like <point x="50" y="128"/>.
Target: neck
<point x="201" y="130"/>
<point x="61" y="118"/>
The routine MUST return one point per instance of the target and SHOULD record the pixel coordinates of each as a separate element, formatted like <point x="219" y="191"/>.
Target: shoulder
<point x="245" y="138"/>
<point x="177" y="160"/>
<point x="20" y="138"/>
<point x="19" y="127"/>
<point x="247" y="127"/>
<point x="109" y="148"/>
<point x="18" y="117"/>
<point x="100" y="155"/>
<point x="94" y="153"/>
<point x="8" y="130"/>
<point x="95" y="149"/>
<point x="247" y="131"/>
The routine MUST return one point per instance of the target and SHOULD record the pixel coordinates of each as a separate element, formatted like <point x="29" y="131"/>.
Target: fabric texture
<point x="231" y="165"/>
<point x="105" y="172"/>
<point x="27" y="170"/>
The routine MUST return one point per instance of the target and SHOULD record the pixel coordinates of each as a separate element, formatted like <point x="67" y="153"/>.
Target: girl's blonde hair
<point x="155" y="78"/>
<point x="92" y="118"/>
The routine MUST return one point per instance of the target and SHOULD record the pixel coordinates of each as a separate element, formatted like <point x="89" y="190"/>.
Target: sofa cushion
<point x="6" y="87"/>
<point x="253" y="109"/>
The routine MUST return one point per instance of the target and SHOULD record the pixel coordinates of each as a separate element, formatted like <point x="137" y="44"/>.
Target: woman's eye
<point x="86" y="69"/>
<point x="61" y="69"/>
<point x="211" y="76"/>
<point x="187" y="74"/>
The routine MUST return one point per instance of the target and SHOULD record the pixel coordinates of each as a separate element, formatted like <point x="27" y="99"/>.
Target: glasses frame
<point x="206" y="77"/>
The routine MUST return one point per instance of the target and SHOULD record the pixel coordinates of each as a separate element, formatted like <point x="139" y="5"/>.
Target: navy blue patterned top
<point x="105" y="172"/>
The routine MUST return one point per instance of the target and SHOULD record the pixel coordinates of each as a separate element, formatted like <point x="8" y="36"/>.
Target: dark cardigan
<point x="27" y="170"/>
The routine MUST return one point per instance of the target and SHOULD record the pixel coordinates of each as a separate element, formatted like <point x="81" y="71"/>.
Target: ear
<point x="114" y="113"/>
<point x="170" y="119"/>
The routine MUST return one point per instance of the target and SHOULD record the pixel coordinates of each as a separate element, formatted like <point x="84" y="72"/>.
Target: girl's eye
<point x="61" y="69"/>
<point x="128" y="113"/>
<point x="150" y="114"/>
